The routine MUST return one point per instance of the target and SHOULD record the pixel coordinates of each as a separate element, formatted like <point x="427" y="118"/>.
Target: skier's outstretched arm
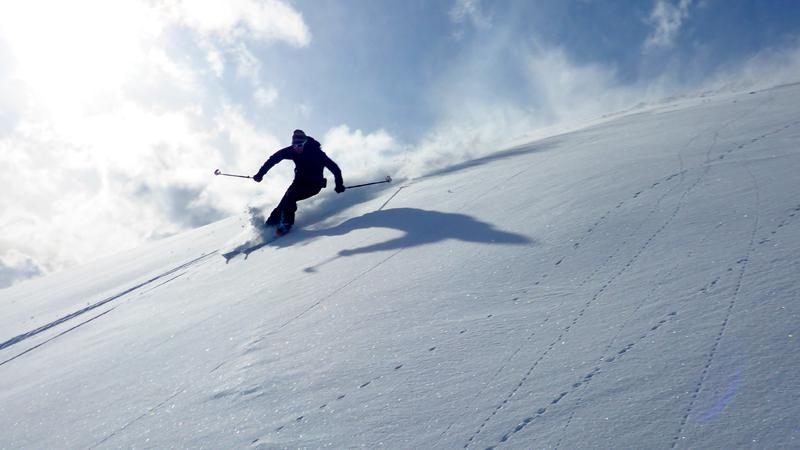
<point x="337" y="173"/>
<point x="276" y="157"/>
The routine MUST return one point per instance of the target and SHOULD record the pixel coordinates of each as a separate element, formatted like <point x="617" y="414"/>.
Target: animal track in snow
<point x="743" y="264"/>
<point x="792" y="214"/>
<point x="583" y="381"/>
<point x="579" y="242"/>
<point x="339" y="397"/>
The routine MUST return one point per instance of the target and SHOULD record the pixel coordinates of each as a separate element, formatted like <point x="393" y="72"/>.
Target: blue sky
<point x="379" y="64"/>
<point x="113" y="114"/>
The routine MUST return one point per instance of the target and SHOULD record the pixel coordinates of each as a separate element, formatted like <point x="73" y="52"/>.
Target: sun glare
<point x="69" y="53"/>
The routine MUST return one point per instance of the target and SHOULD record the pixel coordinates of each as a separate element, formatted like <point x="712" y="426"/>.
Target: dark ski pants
<point x="284" y="212"/>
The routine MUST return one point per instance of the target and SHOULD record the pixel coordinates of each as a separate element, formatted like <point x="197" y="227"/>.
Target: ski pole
<point x="217" y="172"/>
<point x="387" y="180"/>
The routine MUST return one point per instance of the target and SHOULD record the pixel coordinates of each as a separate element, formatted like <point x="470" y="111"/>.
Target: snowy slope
<point x="629" y="285"/>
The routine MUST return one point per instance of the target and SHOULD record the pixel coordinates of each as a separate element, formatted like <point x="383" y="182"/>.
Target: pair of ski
<point x="269" y="235"/>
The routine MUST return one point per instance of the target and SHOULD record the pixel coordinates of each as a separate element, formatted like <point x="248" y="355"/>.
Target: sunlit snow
<point x="629" y="285"/>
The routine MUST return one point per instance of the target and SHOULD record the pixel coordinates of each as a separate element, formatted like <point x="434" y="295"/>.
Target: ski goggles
<point x="298" y="141"/>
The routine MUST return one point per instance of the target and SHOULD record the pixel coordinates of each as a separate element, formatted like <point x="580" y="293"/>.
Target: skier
<point x="309" y="160"/>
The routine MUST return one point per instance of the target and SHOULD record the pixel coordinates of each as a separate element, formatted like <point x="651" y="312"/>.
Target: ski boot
<point x="282" y="229"/>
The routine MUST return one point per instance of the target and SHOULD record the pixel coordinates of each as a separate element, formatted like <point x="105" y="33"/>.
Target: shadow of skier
<point x="419" y="227"/>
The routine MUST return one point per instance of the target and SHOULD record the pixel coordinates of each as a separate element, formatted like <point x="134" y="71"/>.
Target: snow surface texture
<point x="629" y="285"/>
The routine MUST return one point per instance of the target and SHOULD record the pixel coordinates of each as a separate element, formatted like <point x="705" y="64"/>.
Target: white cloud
<point x="73" y="196"/>
<point x="362" y="155"/>
<point x="215" y="60"/>
<point x="264" y="20"/>
<point x="248" y="68"/>
<point x="568" y="91"/>
<point x="266" y="96"/>
<point x="107" y="139"/>
<point x="767" y="68"/>
<point x="470" y="10"/>
<point x="666" y="19"/>
<point x="477" y="114"/>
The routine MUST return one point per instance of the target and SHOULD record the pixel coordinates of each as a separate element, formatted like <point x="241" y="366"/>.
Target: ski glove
<point x="258" y="177"/>
<point x="339" y="188"/>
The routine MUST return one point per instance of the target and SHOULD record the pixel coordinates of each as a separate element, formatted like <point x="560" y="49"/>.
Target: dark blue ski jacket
<point x="308" y="164"/>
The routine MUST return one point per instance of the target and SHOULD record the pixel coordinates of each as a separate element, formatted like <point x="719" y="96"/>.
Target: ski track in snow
<point x="334" y="292"/>
<point x="147" y="413"/>
<point x="27" y="335"/>
<point x="392" y="197"/>
<point x="58" y="336"/>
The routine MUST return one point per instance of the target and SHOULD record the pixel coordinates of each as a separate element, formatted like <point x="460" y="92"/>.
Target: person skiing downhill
<point x="309" y="160"/>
